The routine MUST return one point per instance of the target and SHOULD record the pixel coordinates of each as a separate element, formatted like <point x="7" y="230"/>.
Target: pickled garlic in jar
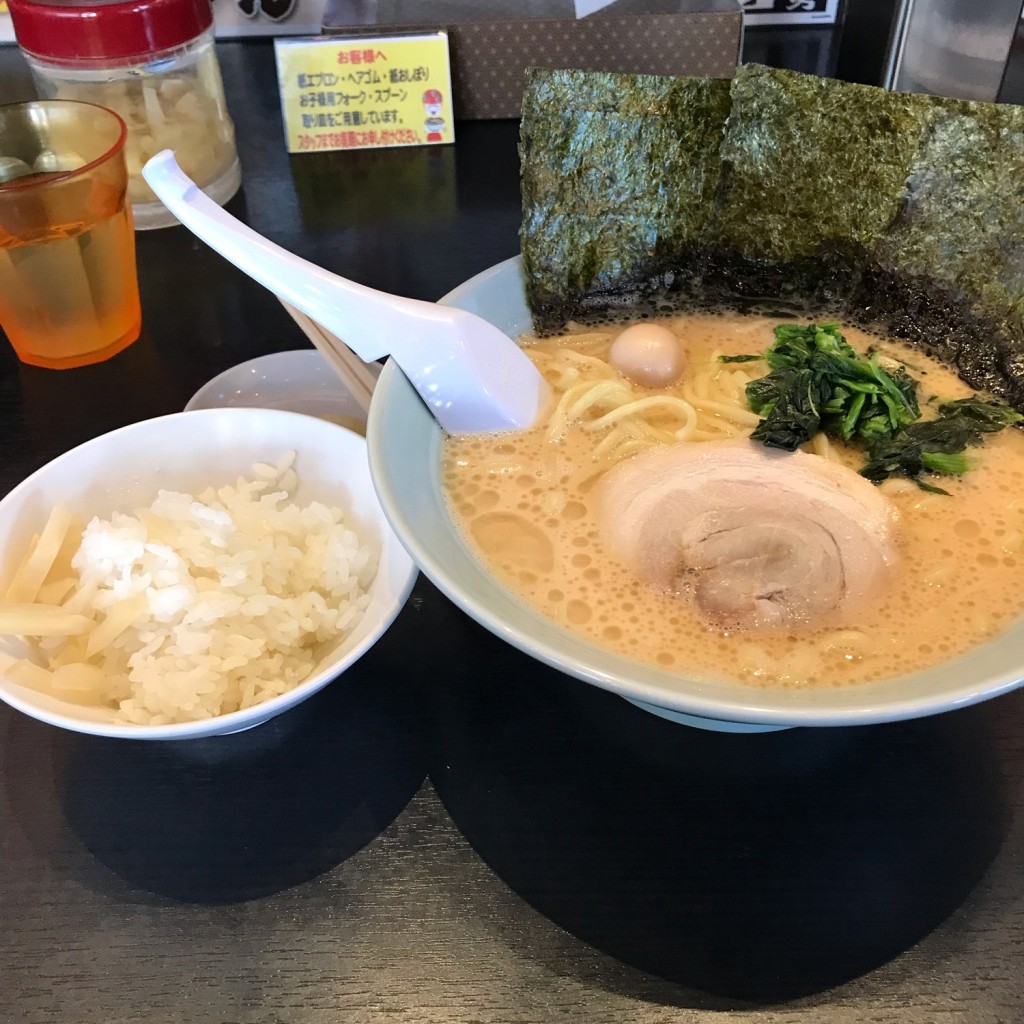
<point x="185" y="112"/>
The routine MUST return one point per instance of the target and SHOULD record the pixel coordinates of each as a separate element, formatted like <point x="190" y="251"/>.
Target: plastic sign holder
<point x="365" y="92"/>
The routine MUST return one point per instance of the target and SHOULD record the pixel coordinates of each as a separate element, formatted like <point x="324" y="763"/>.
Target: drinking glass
<point x="69" y="292"/>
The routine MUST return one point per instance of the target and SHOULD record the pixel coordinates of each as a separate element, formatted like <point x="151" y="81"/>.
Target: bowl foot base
<point x="699" y="722"/>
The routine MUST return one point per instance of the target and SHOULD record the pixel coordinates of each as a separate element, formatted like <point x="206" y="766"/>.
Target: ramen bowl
<point x="405" y="443"/>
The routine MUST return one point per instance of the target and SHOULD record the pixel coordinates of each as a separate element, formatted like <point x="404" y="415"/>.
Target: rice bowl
<point x="185" y="454"/>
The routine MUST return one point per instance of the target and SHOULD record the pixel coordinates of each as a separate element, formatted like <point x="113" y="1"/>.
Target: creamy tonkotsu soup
<point x="526" y="505"/>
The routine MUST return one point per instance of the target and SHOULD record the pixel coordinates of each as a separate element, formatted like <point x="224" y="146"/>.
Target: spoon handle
<point x="474" y="378"/>
<point x="350" y="310"/>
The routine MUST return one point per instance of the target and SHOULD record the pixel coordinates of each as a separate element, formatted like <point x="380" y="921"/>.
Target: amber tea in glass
<point x="69" y="293"/>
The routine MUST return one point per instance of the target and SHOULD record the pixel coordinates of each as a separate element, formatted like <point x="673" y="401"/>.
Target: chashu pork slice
<point x="762" y="539"/>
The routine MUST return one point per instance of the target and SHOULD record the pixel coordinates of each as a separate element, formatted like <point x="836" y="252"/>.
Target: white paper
<point x="585" y="7"/>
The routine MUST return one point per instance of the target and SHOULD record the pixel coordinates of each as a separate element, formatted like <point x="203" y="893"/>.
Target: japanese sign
<point x="789" y="12"/>
<point x="365" y="92"/>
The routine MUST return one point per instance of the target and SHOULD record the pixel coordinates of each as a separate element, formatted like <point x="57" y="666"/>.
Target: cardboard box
<point x="493" y="42"/>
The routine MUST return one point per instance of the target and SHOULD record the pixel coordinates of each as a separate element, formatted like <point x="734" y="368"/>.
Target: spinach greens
<point x="938" y="446"/>
<point x="748" y="358"/>
<point x="819" y="382"/>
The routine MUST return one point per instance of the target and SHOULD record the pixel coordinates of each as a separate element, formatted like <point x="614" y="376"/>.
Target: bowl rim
<point x="257" y="714"/>
<point x="877" y="707"/>
<point x="305" y="363"/>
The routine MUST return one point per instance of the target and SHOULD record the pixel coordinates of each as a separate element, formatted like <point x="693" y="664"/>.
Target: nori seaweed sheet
<point x="814" y="171"/>
<point x="619" y="175"/>
<point x="948" y="275"/>
<point x="899" y="212"/>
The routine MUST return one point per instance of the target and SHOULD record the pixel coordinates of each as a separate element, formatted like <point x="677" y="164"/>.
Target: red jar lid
<point x="106" y="29"/>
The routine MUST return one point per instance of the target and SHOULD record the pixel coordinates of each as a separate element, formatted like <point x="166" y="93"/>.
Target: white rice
<point x="244" y="591"/>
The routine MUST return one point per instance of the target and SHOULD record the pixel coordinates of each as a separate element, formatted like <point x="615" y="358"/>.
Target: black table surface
<point x="451" y="832"/>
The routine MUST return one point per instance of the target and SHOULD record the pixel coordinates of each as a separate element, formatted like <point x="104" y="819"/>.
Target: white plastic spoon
<point x="473" y="377"/>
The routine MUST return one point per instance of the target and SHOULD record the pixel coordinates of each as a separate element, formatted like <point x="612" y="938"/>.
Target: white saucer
<point x="299" y="381"/>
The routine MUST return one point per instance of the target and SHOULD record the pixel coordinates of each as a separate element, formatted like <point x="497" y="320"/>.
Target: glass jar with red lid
<point x="154" y="63"/>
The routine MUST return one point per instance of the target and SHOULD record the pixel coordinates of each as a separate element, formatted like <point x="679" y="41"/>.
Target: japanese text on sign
<point x="789" y="12"/>
<point x="339" y="93"/>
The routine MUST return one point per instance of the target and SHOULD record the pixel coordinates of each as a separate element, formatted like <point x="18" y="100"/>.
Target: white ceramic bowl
<point x="405" y="446"/>
<point x="124" y="469"/>
<point x="298" y="381"/>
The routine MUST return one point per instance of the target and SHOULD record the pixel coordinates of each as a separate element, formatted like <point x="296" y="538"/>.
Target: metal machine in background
<point x="952" y="47"/>
<point x="972" y="49"/>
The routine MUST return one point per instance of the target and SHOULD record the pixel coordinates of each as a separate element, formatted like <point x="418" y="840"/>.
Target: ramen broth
<point x="523" y="502"/>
